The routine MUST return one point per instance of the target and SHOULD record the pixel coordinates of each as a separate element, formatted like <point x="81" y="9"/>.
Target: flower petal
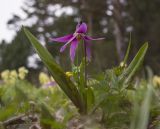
<point x="90" y="38"/>
<point x="70" y="40"/>
<point x="81" y="28"/>
<point x="73" y="48"/>
<point x="63" y="47"/>
<point x="88" y="50"/>
<point x="63" y="39"/>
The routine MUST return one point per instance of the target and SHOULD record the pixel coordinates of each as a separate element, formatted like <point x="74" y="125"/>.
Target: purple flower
<point x="50" y="84"/>
<point x="73" y="40"/>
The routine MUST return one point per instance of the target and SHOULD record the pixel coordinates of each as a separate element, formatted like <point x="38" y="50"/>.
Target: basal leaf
<point x="57" y="72"/>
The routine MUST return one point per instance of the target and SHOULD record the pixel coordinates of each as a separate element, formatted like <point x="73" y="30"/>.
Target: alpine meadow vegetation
<point x="116" y="98"/>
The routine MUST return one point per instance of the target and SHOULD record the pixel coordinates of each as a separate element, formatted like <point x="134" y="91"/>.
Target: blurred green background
<point x="112" y="19"/>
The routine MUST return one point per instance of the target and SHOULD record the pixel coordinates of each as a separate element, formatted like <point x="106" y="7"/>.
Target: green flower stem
<point x="85" y="66"/>
<point x="77" y="64"/>
<point x="85" y="76"/>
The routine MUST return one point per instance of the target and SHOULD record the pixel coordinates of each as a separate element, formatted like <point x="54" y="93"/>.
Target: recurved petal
<point x="63" y="39"/>
<point x="81" y="28"/>
<point x="73" y="48"/>
<point x="91" y="38"/>
<point x="69" y="41"/>
<point x="63" y="47"/>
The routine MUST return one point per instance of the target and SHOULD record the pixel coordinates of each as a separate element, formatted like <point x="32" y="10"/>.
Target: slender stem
<point x="77" y="67"/>
<point x="85" y="66"/>
<point x="85" y="77"/>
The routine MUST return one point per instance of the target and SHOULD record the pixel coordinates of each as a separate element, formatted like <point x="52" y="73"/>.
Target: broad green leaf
<point x="57" y="72"/>
<point x="135" y="64"/>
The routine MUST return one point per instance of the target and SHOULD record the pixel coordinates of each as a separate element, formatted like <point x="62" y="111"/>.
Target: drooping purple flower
<point x="73" y="40"/>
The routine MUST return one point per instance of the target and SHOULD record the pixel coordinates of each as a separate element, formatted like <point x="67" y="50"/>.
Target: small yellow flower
<point x="156" y="81"/>
<point x="69" y="74"/>
<point x="44" y="78"/>
<point x="13" y="74"/>
<point x="9" y="76"/>
<point x="22" y="72"/>
<point x="5" y="75"/>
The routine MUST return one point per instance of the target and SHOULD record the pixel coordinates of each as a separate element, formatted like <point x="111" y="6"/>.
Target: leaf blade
<point x="56" y="71"/>
<point x="134" y="65"/>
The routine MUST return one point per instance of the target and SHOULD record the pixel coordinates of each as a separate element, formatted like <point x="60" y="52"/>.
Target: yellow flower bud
<point x="122" y="64"/>
<point x="69" y="74"/>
